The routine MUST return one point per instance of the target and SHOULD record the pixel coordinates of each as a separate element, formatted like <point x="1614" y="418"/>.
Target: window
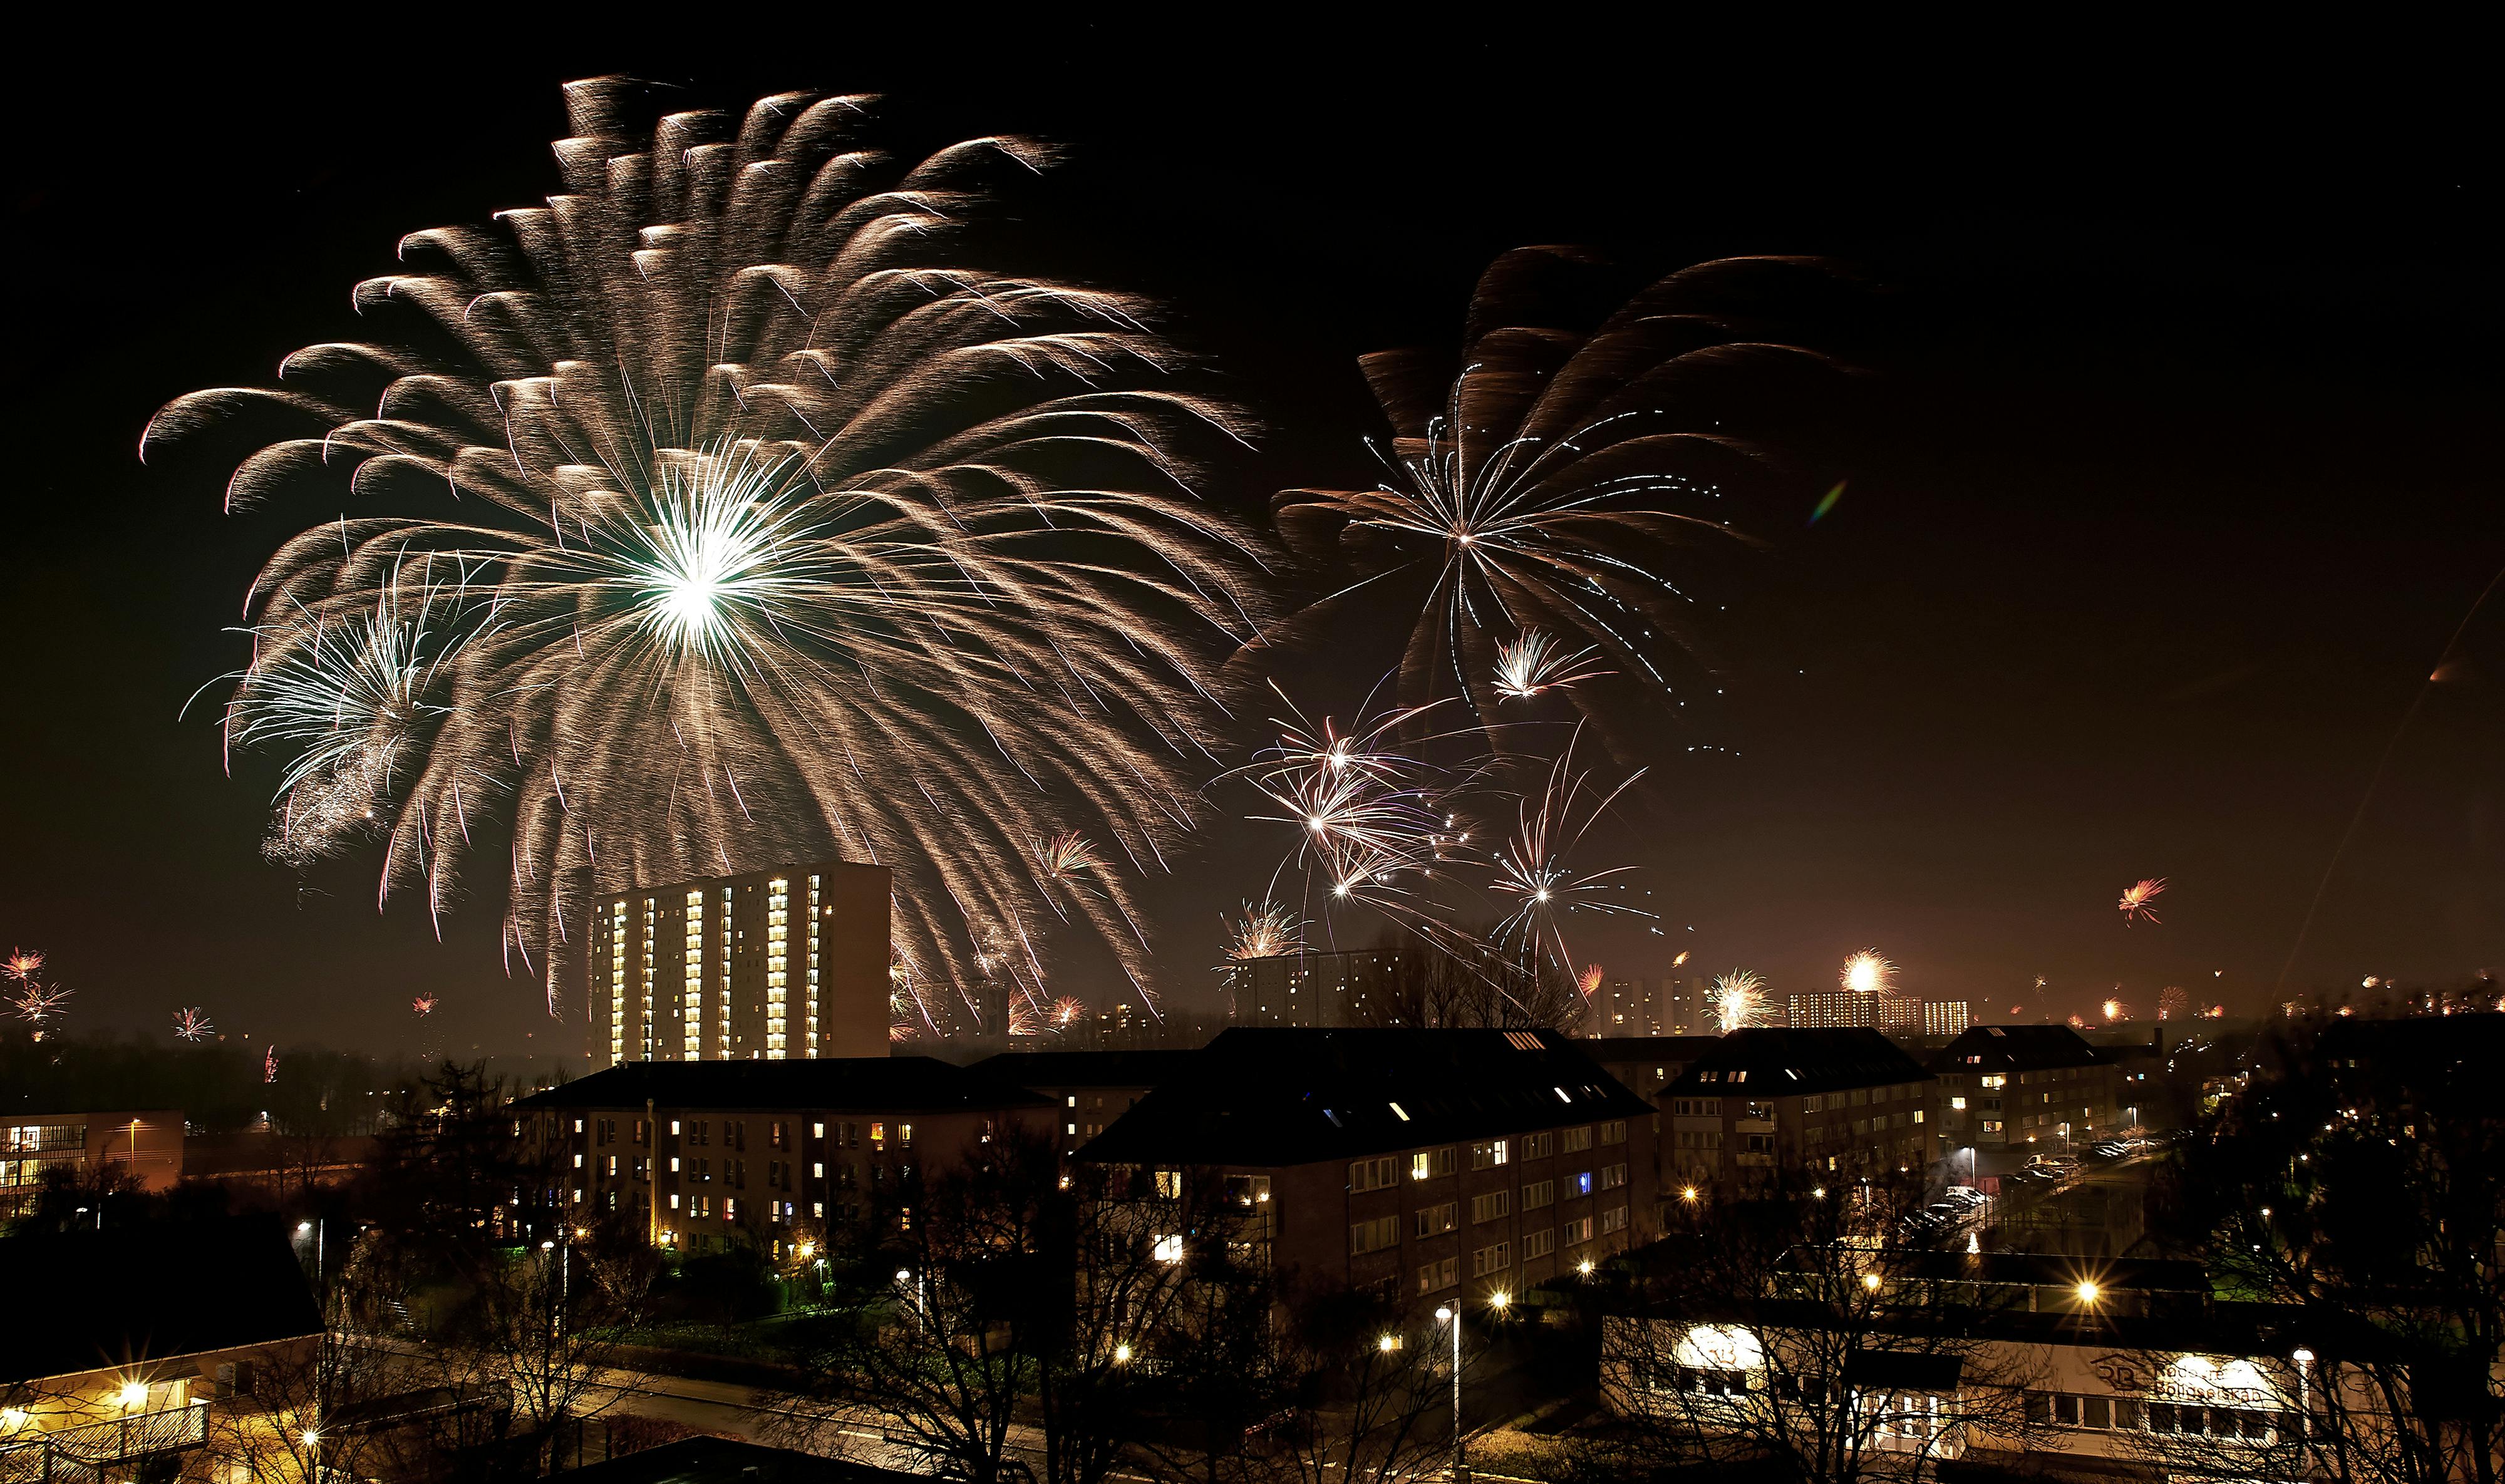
<point x="1578" y="1230"/>
<point x="577" y="1125"/>
<point x="1539" y="1194"/>
<point x="1491" y="1151"/>
<point x="1577" y="1138"/>
<point x="1580" y="1184"/>
<point x="1991" y="1126"/>
<point x="1957" y="1102"/>
<point x="878" y="1136"/>
<point x="1614" y="1177"/>
<point x="674" y="1164"/>
<point x="1809" y="1105"/>
<point x="1616" y="1130"/>
<point x="1436" y="1221"/>
<point x="1373" y="1236"/>
<point x="1539" y="1244"/>
<point x="1494" y="1206"/>
<point x="1430" y="1163"/>
<point x="818" y="1169"/>
<point x="1538" y="1146"/>
<point x="905" y="1136"/>
<point x="1491" y="1259"/>
<point x="1439" y="1275"/>
<point x="1613" y="1220"/>
<point x="817" y="1131"/>
<point x="577" y="1161"/>
<point x="1365" y="1175"/>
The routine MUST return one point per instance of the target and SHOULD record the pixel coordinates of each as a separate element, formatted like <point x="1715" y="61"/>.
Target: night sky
<point x="2171" y="464"/>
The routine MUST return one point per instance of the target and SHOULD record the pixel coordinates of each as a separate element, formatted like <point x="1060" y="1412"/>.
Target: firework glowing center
<point x="1866" y="972"/>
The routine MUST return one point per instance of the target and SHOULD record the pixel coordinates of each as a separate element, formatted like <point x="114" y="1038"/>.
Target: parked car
<point x="1966" y="1196"/>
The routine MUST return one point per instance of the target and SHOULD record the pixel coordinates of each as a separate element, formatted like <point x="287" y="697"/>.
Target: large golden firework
<point x="724" y="513"/>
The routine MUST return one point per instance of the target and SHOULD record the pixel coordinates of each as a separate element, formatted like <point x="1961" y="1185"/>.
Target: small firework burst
<point x="422" y="1007"/>
<point x="193" y="1024"/>
<point x="1534" y="663"/>
<point x="1534" y="869"/>
<point x="1264" y="932"/>
<point x="1068" y="1012"/>
<point x="1023" y="1019"/>
<point x="901" y="1029"/>
<point x="1680" y="962"/>
<point x="23" y="965"/>
<point x="1590" y="982"/>
<point x="2172" y="1002"/>
<point x="2137" y="898"/>
<point x="38" y="1001"/>
<point x="1737" y="996"/>
<point x="1867" y="972"/>
<point x="270" y="1064"/>
<point x="2078" y="1022"/>
<point x="2115" y="1009"/>
<point x="1066" y="859"/>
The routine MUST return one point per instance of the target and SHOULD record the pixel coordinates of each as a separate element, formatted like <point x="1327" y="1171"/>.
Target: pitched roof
<point x="86" y="1301"/>
<point x="1611" y="1050"/>
<point x="1779" y="1063"/>
<point x="1271" y="1096"/>
<point x="2016" y="1048"/>
<point x="867" y="1083"/>
<point x="1086" y="1069"/>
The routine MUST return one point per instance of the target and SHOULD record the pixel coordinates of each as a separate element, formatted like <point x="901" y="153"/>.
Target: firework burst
<point x="422" y="1007"/>
<point x="722" y="512"/>
<point x="1264" y="932"/>
<point x="1868" y="973"/>
<point x="2135" y="898"/>
<point x="193" y="1024"/>
<point x="1535" y="873"/>
<point x="1535" y="665"/>
<point x="1555" y="482"/>
<point x="1371" y="824"/>
<point x="1738" y="999"/>
<point x="36" y="1001"/>
<point x="1066" y="1012"/>
<point x="1590" y="981"/>
<point x="23" y="965"/>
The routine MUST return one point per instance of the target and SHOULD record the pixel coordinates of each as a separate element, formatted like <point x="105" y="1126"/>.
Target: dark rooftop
<point x="1086" y="1069"/>
<point x="1657" y="1049"/>
<point x="2016" y="1048"/>
<point x="867" y="1083"/>
<point x="85" y="1301"/>
<point x="1775" y="1063"/>
<point x="1266" y="1097"/>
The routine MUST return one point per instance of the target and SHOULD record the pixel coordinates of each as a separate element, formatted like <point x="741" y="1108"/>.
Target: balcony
<point x="81" y="1454"/>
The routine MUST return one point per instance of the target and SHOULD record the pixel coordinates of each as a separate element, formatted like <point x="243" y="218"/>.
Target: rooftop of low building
<point x="1266" y="1097"/>
<point x="1777" y="1062"/>
<point x="92" y="1300"/>
<point x="2017" y="1049"/>
<point x="832" y="1084"/>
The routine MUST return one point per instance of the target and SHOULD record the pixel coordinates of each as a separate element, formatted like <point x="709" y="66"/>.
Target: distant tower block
<point x="788" y="964"/>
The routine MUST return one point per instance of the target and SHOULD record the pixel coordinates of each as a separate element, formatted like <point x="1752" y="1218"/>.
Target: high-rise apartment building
<point x="773" y="965"/>
<point x="1628" y="1008"/>
<point x="1881" y="1010"/>
<point x="1319" y="989"/>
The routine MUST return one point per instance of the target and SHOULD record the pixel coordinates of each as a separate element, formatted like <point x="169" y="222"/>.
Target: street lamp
<point x="1452" y="1314"/>
<point x="2304" y="1359"/>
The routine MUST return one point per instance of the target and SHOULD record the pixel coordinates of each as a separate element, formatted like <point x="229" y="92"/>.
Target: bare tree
<point x="1796" y="1336"/>
<point x="2364" y="1194"/>
<point x="1454" y="980"/>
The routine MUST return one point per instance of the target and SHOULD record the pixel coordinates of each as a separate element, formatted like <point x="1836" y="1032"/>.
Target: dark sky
<point x="2175" y="463"/>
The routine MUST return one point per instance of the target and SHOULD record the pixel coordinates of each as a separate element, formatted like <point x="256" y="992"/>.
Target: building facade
<point x="1089" y="1089"/>
<point x="1762" y="1104"/>
<point x="704" y="1155"/>
<point x="775" y="965"/>
<point x="1646" y="1063"/>
<point x="1322" y="989"/>
<point x="145" y="1145"/>
<point x="2007" y="1091"/>
<point x="1416" y="1163"/>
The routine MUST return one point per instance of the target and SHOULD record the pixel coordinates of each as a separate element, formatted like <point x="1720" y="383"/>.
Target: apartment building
<point x="2002" y="1366"/>
<point x="1763" y="1103"/>
<point x="1089" y="1089"/>
<point x="1419" y="1163"/>
<point x="145" y="1145"/>
<point x="1646" y="1063"/>
<point x="119" y="1342"/>
<point x="789" y="963"/>
<point x="701" y="1154"/>
<point x="2007" y="1091"/>
<point x="1334" y="988"/>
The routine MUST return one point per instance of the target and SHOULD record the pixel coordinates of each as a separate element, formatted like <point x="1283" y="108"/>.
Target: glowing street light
<point x="2088" y="1291"/>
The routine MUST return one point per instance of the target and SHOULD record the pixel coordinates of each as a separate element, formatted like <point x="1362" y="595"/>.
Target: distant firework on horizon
<point x="2172" y="1002"/>
<point x="722" y="513"/>
<point x="1866" y="972"/>
<point x="1264" y="932"/>
<point x="2136" y="900"/>
<point x="1068" y="1012"/>
<point x="1680" y="962"/>
<point x="1590" y="981"/>
<point x="2115" y="1009"/>
<point x="193" y="1024"/>
<point x="422" y="1007"/>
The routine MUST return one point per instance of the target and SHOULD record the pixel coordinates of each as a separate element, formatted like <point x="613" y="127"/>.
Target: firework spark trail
<point x="1552" y="486"/>
<point x="2135" y="898"/>
<point x="1535" y="872"/>
<point x="193" y="1024"/>
<point x="37" y="1002"/>
<point x="1590" y="981"/>
<point x="723" y="468"/>
<point x="1737" y="997"/>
